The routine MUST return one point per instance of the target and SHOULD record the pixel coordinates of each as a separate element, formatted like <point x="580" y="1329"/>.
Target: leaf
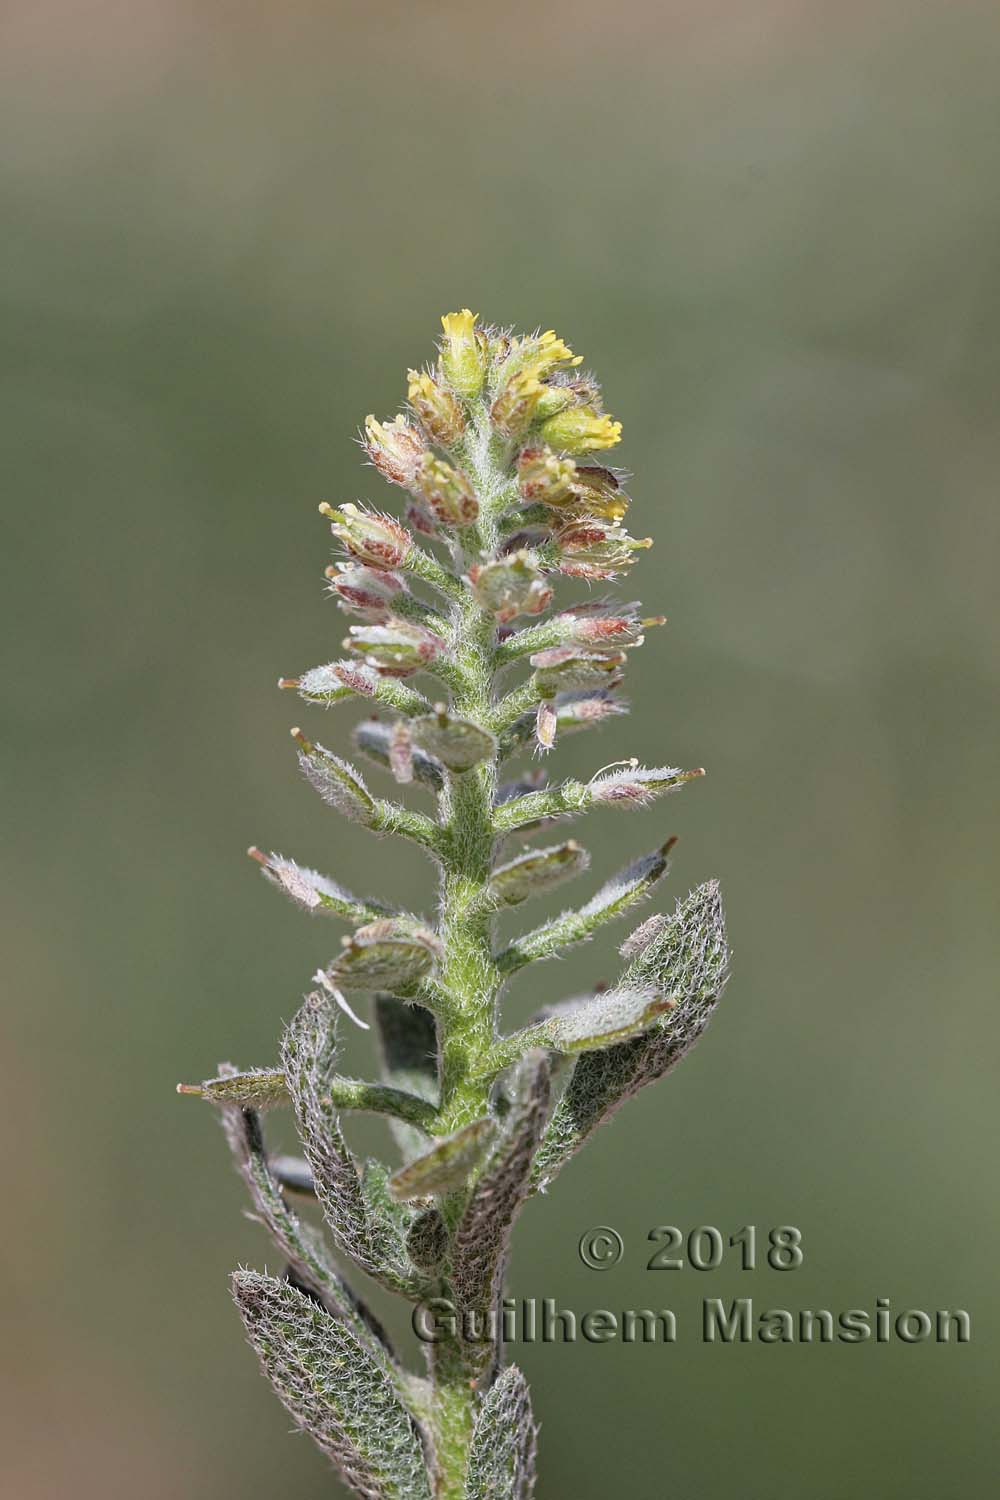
<point x="315" y="892"/>
<point x="623" y="891"/>
<point x="301" y="1247"/>
<point x="427" y="1241"/>
<point x="483" y="1234"/>
<point x="408" y="1045"/>
<point x="370" y="1239"/>
<point x="504" y="1441"/>
<point x="446" y="1165"/>
<point x="334" y="1389"/>
<point x="686" y="960"/>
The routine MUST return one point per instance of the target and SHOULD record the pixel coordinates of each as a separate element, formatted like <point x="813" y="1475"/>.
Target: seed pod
<point x="456" y="743"/>
<point x="463" y="355"/>
<point x="582" y="710"/>
<point x="563" y="668"/>
<point x="546" y="724"/>
<point x="447" y="492"/>
<point x="437" y="410"/>
<point x="368" y="592"/>
<point x="369" y="536"/>
<point x="395" y="448"/>
<point x="544" y="477"/>
<point x="538" y="871"/>
<point x="581" y="429"/>
<point x="637" y="785"/>
<point x="336" y="780"/>
<point x="395" y="650"/>
<point x="385" y="955"/>
<point x="511" y="585"/>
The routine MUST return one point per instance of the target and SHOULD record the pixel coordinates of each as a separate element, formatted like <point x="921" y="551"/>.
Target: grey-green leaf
<point x="483" y="1234"/>
<point x="369" y="1239"/>
<point x="298" y="1242"/>
<point x="334" y="1389"/>
<point x="502" y="1455"/>
<point x="446" y="1165"/>
<point x="687" y="960"/>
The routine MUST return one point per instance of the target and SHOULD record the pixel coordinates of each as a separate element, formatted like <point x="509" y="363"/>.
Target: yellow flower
<point x="580" y="429"/>
<point x="463" y="358"/>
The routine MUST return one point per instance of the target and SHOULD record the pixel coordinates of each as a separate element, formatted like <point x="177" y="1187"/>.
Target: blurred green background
<point x="774" y="229"/>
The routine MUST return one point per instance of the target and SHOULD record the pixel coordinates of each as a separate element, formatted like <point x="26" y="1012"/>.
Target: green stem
<point x="468" y="974"/>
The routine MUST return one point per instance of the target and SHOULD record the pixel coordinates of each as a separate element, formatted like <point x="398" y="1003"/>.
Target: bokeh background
<point x="774" y="228"/>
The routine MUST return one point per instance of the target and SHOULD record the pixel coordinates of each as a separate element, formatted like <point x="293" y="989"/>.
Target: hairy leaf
<point x="258" y="1088"/>
<point x="502" y="1456"/>
<point x="334" y="1389"/>
<point x="686" y="960"/>
<point x="369" y="1238"/>
<point x="446" y="1165"/>
<point x="483" y="1234"/>
<point x="301" y="1246"/>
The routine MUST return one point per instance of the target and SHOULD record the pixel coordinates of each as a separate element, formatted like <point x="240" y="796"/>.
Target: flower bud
<point x="564" y="668"/>
<point x="395" y="448"/>
<point x="514" y="409"/>
<point x="368" y="592"/>
<point x="447" y="492"/>
<point x="543" y="477"/>
<point x="580" y="429"/>
<point x="511" y="585"/>
<point x="372" y="538"/>
<point x="463" y="357"/>
<point x="396" y="650"/>
<point x="589" y="625"/>
<point x="536" y="872"/>
<point x="439" y="413"/>
<point x="541" y="353"/>
<point x="456" y="743"/>
<point x="596" y="549"/>
<point x="385" y="955"/>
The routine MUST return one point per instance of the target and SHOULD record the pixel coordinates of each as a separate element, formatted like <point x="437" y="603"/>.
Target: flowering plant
<point x="504" y="498"/>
